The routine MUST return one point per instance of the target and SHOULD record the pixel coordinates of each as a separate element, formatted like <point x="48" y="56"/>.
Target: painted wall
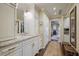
<point x="45" y="28"/>
<point x="30" y="21"/>
<point x="37" y="20"/>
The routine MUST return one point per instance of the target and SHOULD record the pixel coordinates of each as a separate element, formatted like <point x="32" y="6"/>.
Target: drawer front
<point x="16" y="53"/>
<point x="9" y="49"/>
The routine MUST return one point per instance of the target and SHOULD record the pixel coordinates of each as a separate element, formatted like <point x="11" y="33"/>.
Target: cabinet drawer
<point x="7" y="51"/>
<point x="16" y="53"/>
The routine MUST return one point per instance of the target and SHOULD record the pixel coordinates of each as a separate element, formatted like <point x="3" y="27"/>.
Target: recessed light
<point x="54" y="8"/>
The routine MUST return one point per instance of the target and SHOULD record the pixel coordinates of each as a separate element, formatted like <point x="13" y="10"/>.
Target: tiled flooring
<point x="53" y="49"/>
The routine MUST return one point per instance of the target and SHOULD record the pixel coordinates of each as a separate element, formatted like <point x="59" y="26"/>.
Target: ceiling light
<point x="54" y="8"/>
<point x="28" y="15"/>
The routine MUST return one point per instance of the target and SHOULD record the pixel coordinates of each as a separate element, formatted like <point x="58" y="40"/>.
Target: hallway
<point x="39" y="29"/>
<point x="53" y="49"/>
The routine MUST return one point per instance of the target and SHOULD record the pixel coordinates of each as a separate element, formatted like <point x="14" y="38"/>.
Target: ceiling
<point x="60" y="8"/>
<point x="48" y="8"/>
<point x="25" y="6"/>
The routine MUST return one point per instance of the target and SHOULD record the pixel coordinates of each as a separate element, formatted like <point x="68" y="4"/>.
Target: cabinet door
<point x="7" y="17"/>
<point x="16" y="53"/>
<point x="27" y="50"/>
<point x="19" y="52"/>
<point x="40" y="43"/>
<point x="36" y="45"/>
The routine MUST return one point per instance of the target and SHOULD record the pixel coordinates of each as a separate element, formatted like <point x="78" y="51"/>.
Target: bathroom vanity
<point x="21" y="46"/>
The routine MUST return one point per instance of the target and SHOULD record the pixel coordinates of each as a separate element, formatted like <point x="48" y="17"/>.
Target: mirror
<point x="73" y="27"/>
<point x="66" y="25"/>
<point x="20" y="21"/>
<point x="66" y="29"/>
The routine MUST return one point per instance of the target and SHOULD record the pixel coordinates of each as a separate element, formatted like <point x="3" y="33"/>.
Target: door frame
<point x="59" y="26"/>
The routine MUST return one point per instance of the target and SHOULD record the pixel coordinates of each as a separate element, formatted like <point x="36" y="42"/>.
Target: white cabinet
<point x="14" y="50"/>
<point x="19" y="52"/>
<point x="40" y="42"/>
<point x="31" y="46"/>
<point x="36" y="45"/>
<point x="27" y="47"/>
<point x="27" y="50"/>
<point x="16" y="53"/>
<point x="7" y="18"/>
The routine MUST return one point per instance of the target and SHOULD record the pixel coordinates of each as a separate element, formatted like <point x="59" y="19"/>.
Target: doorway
<point x="55" y="30"/>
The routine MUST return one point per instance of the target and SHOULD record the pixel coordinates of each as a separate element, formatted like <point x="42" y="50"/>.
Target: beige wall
<point x="44" y="28"/>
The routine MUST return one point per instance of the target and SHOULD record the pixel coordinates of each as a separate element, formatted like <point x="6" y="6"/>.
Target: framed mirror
<point x="73" y="27"/>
